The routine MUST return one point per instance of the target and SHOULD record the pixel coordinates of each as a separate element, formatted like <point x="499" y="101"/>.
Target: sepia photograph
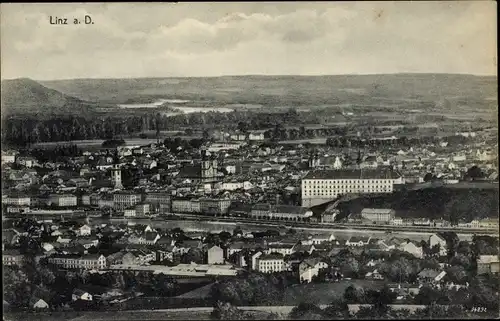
<point x="249" y="160"/>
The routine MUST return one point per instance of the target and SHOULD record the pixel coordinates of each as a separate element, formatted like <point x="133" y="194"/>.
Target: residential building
<point x="81" y="295"/>
<point x="430" y="276"/>
<point x="156" y="199"/>
<point x="138" y="257"/>
<point x="254" y="136"/>
<point x="255" y="260"/>
<point x="310" y="268"/>
<point x="436" y="239"/>
<point x="210" y="206"/>
<point x="130" y="212"/>
<point x="283" y="249"/>
<point x="38" y="304"/>
<point x="12" y="257"/>
<point x="378" y="215"/>
<point x="290" y="212"/>
<point x="358" y="241"/>
<point x="260" y="211"/>
<point x="320" y="186"/>
<point x="63" y="200"/>
<point x="182" y="205"/>
<point x="84" y="230"/>
<point x="89" y="261"/>
<point x="26" y="161"/>
<point x="17" y="200"/>
<point x="488" y="264"/>
<point x="122" y="201"/>
<point x="215" y="255"/>
<point x="142" y="209"/>
<point x="398" y="221"/>
<point x="268" y="263"/>
<point x="411" y="248"/>
<point x="8" y="157"/>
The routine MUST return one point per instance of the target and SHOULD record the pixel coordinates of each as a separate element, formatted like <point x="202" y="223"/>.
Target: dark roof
<point x="428" y="273"/>
<point x="261" y="207"/>
<point x="79" y="292"/>
<point x="356" y="239"/>
<point x="190" y="171"/>
<point x="353" y="174"/>
<point x="272" y="256"/>
<point x="290" y="209"/>
<point x="150" y="236"/>
<point x="191" y="243"/>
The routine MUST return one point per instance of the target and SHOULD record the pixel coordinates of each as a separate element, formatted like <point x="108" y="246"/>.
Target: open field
<point x="204" y="314"/>
<point x="324" y="293"/>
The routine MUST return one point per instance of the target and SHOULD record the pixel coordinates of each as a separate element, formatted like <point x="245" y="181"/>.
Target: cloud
<point x="248" y="38"/>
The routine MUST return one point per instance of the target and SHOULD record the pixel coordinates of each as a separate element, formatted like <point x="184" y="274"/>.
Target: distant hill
<point x="26" y="96"/>
<point x="396" y="90"/>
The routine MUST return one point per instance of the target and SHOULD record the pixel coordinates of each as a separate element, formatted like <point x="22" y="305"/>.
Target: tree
<point x="354" y="294"/>
<point x="429" y="177"/>
<point x="243" y="126"/>
<point x="226" y="311"/>
<point x="427" y="296"/>
<point x="349" y="267"/>
<point x="474" y="173"/>
<point x="337" y="310"/>
<point x="164" y="285"/>
<point x="237" y="231"/>
<point x="224" y="236"/>
<point x="193" y="255"/>
<point x="306" y="311"/>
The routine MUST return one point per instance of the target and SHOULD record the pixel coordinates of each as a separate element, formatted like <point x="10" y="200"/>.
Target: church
<point x="204" y="171"/>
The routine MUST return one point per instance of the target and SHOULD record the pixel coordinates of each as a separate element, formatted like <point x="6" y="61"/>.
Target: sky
<point x="213" y="39"/>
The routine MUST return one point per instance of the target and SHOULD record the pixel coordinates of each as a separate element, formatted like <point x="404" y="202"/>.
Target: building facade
<point x="269" y="263"/>
<point x="215" y="255"/>
<point x="379" y="215"/>
<point x="122" y="201"/>
<point x="87" y="262"/>
<point x="63" y="200"/>
<point x="321" y="186"/>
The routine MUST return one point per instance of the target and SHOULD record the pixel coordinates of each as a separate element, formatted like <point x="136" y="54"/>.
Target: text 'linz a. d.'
<point x="54" y="20"/>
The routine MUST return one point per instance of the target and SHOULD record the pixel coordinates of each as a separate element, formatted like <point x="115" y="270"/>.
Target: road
<point x="195" y="313"/>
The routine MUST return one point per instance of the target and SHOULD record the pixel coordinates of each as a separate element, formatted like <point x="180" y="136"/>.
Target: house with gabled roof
<point x="38" y="304"/>
<point x="149" y="238"/>
<point x="438" y="239"/>
<point x="310" y="268"/>
<point x="79" y="294"/>
<point x="412" y="248"/>
<point x="358" y="241"/>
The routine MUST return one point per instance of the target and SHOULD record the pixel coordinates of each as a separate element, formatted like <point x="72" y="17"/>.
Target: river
<point x="179" y="107"/>
<point x="216" y="227"/>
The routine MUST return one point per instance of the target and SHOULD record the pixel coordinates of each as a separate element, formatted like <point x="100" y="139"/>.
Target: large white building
<point x="380" y="215"/>
<point x="17" y="200"/>
<point x="269" y="263"/>
<point x="125" y="200"/>
<point x="89" y="261"/>
<point x="321" y="186"/>
<point x="63" y="200"/>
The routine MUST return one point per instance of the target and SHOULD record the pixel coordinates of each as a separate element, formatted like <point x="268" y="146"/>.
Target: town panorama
<point x="250" y="161"/>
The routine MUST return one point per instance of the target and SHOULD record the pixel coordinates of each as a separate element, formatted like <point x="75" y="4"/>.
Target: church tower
<point x="116" y="176"/>
<point x="206" y="165"/>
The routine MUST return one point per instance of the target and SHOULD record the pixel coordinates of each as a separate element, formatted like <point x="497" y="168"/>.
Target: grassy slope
<point x="28" y="96"/>
<point x="432" y="203"/>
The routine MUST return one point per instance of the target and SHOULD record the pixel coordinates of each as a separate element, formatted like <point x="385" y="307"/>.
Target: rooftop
<point x="353" y="174"/>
